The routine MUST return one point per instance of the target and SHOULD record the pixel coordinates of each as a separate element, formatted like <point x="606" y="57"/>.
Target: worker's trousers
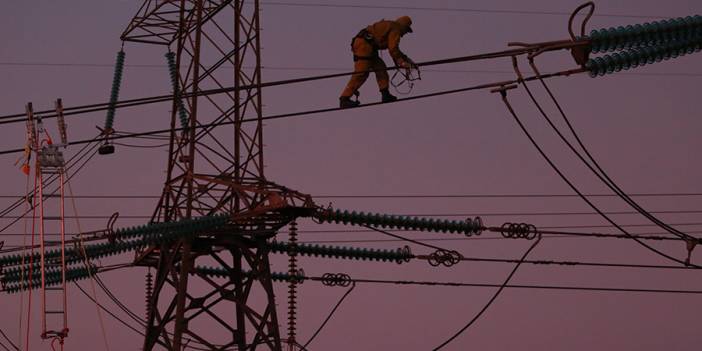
<point x="366" y="59"/>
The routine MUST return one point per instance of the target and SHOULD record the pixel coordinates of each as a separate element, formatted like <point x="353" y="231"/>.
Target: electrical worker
<point x="365" y="45"/>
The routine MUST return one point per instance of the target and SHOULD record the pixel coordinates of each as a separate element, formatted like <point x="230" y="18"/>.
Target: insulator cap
<point x="647" y="34"/>
<point x="468" y="227"/>
<point x="114" y="92"/>
<point x="641" y="56"/>
<point x="400" y="255"/>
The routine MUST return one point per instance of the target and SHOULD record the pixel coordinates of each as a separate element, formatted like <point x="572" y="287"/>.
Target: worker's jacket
<point x="386" y="35"/>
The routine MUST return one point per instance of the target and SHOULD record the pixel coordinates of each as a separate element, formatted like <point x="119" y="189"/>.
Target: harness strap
<point x="368" y="37"/>
<point x="364" y="58"/>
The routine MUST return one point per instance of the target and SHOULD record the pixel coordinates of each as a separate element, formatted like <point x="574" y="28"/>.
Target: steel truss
<point x="185" y="308"/>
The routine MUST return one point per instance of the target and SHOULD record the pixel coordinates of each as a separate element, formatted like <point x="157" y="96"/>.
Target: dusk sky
<point x="642" y="126"/>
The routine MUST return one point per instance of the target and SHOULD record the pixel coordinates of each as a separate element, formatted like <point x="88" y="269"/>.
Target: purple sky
<point x="642" y="126"/>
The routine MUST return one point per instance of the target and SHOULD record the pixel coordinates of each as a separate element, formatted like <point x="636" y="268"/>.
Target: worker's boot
<point x="387" y="97"/>
<point x="346" y="102"/>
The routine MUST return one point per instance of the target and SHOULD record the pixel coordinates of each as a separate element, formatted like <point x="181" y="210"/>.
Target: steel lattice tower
<point x="214" y="169"/>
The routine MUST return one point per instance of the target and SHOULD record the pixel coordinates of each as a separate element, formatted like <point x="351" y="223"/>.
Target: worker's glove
<point x="405" y="63"/>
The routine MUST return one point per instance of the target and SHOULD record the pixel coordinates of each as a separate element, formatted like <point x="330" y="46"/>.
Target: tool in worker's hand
<point x="403" y="79"/>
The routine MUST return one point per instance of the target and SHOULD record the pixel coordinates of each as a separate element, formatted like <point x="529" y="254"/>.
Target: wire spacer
<point x="445" y="258"/>
<point x="519" y="231"/>
<point x="336" y="279"/>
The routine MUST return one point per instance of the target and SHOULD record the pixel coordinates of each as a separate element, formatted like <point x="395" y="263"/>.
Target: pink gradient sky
<point x="642" y="126"/>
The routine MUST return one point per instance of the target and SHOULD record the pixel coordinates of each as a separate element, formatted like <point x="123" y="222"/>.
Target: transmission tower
<point x="214" y="170"/>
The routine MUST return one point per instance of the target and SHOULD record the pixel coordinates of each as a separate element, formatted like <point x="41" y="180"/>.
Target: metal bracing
<point x="214" y="170"/>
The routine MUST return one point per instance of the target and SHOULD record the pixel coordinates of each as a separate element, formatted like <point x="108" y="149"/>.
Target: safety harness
<point x="368" y="37"/>
<point x="403" y="79"/>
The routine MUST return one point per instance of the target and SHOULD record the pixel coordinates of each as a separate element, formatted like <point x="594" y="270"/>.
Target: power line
<point x="70" y="111"/>
<point x="540" y="229"/>
<point x="514" y="52"/>
<point x="77" y="158"/>
<point x="523" y="286"/>
<point x="108" y="311"/>
<point x="590" y="162"/>
<point x="369" y="241"/>
<point x="549" y="230"/>
<point x="406" y="196"/>
<point x="481" y="214"/>
<point x="119" y="303"/>
<point x="410" y="196"/>
<point x="547" y="234"/>
<point x="523" y="260"/>
<point x="501" y="287"/>
<point x="319" y="68"/>
<point x="273" y="117"/>
<point x="142" y="146"/>
<point x="122" y="307"/>
<point x="14" y="248"/>
<point x="324" y="323"/>
<point x="92" y="217"/>
<point x="404" y="238"/>
<point x="573" y="263"/>
<point x="570" y="184"/>
<point x="8" y="340"/>
<point x="20" y="199"/>
<point x="494" y="296"/>
<point x="447" y="9"/>
<point x="121" y="321"/>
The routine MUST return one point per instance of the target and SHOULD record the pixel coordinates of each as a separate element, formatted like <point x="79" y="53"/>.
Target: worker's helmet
<point x="406" y="23"/>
